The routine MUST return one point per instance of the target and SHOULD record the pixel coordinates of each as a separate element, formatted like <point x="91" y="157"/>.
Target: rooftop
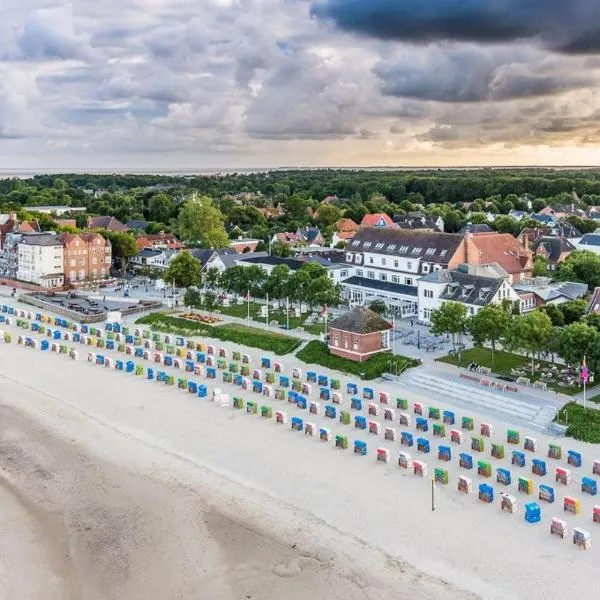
<point x="361" y="320"/>
<point x="434" y="246"/>
<point x="548" y="290"/>
<point x="41" y="239"/>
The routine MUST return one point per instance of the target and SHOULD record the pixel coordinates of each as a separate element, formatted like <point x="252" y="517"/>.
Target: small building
<point x="378" y="220"/>
<point x="137" y="225"/>
<point x="554" y="250"/>
<point x="105" y="222"/>
<point x="475" y="228"/>
<point x="359" y="334"/>
<point x="160" y="241"/>
<point x="473" y="286"/>
<point x="419" y="220"/>
<point x="55" y="211"/>
<point x="537" y="291"/>
<point x="243" y="245"/>
<point x="590" y="241"/>
<point x="152" y="258"/>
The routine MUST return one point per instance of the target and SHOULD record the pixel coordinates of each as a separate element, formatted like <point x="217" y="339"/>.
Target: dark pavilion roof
<point x="360" y="320"/>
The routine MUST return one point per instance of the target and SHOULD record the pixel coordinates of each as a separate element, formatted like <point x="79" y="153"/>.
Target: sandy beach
<point x="129" y="489"/>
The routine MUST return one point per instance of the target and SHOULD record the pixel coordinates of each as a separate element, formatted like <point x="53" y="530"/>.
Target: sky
<point x="211" y="84"/>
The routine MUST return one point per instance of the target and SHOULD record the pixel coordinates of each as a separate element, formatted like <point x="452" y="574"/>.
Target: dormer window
<point x="349" y="257"/>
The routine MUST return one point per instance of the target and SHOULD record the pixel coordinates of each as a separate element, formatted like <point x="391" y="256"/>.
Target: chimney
<point x="471" y="250"/>
<point x="12" y="216"/>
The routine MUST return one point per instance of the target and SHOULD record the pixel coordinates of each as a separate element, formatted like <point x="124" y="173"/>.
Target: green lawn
<point x="241" y="311"/>
<point x="503" y="363"/>
<point x="317" y="353"/>
<point x="595" y="399"/>
<point x="277" y="343"/>
<point x="582" y="423"/>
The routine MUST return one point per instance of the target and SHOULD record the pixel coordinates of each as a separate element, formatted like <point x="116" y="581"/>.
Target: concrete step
<point x="510" y="409"/>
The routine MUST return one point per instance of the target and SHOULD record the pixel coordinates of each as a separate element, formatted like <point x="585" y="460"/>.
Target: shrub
<point x="318" y="353"/>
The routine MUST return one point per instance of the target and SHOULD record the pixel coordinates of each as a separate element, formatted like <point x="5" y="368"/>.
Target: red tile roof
<point x="346" y="225"/>
<point x="377" y="220"/>
<point x="504" y="249"/>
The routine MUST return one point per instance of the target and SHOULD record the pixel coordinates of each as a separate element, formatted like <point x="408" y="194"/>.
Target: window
<point x="81" y="261"/>
<point x="471" y="311"/>
<point x="430" y="251"/>
<point x="367" y="245"/>
<point x="408" y="280"/>
<point x="379" y="245"/>
<point x="94" y="261"/>
<point x="72" y="275"/>
<point x="358" y="259"/>
<point x="382" y="276"/>
<point x="343" y="273"/>
<point x="349" y="257"/>
<point x="403" y="249"/>
<point x="443" y="253"/>
<point x="383" y="262"/>
<point x="409" y="265"/>
<point x="427" y="313"/>
<point x="395" y="279"/>
<point x="391" y="247"/>
<point x="428" y="293"/>
<point x="72" y="262"/>
<point x="426" y="267"/>
<point x="359" y="272"/>
<point x="396" y="264"/>
<point x="416" y="250"/>
<point x="370" y="274"/>
<point x="370" y="260"/>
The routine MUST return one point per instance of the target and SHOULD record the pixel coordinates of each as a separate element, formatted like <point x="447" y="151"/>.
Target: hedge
<point x="240" y="334"/>
<point x="582" y="423"/>
<point x="318" y="353"/>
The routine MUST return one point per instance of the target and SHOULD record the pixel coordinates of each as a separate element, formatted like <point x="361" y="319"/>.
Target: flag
<point x="585" y="372"/>
<point x="325" y="311"/>
<point x="248" y="296"/>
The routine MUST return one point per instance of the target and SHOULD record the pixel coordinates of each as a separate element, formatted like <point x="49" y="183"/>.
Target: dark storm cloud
<point x="467" y="73"/>
<point x="570" y="26"/>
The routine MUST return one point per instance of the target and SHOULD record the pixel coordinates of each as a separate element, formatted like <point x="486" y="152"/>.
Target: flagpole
<point x="267" y="316"/>
<point x="248" y="299"/>
<point x="287" y="312"/>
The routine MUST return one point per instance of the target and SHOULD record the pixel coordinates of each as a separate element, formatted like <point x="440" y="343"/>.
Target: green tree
<point x="327" y="215"/>
<point x="489" y="325"/>
<point x="582" y="266"/>
<point x="540" y="266"/>
<point x="378" y="306"/>
<point x="123" y="247"/>
<point x="277" y="282"/>
<point x="530" y="333"/>
<point x="450" y="317"/>
<point x="211" y="278"/>
<point x="200" y="222"/>
<point x="184" y="271"/>
<point x="161" y="208"/>
<point x="573" y="311"/>
<point x="576" y="341"/>
<point x="192" y="297"/>
<point x="506" y="224"/>
<point x="555" y="314"/>
<point x="279" y="249"/>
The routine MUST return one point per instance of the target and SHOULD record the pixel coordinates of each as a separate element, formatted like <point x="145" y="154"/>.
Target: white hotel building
<point x="386" y="264"/>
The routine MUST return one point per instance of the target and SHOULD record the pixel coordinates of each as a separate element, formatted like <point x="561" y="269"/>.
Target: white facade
<point x="430" y="299"/>
<point x="40" y="261"/>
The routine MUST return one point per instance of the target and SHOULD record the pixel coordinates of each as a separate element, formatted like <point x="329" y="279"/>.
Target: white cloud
<point x="259" y="82"/>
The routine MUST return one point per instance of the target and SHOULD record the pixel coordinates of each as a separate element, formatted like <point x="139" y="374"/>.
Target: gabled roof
<point x="435" y="247"/>
<point x="416" y="221"/>
<point x="377" y="220"/>
<point x="467" y="288"/>
<point x="543" y="218"/>
<point x="554" y="247"/>
<point x="361" y="320"/>
<point x="106" y="222"/>
<point x="345" y="225"/>
<point x="309" y="233"/>
<point x="202" y="254"/>
<point x="137" y="225"/>
<point x="504" y="249"/>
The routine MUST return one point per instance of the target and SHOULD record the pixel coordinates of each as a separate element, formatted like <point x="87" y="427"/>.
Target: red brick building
<point x="359" y="334"/>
